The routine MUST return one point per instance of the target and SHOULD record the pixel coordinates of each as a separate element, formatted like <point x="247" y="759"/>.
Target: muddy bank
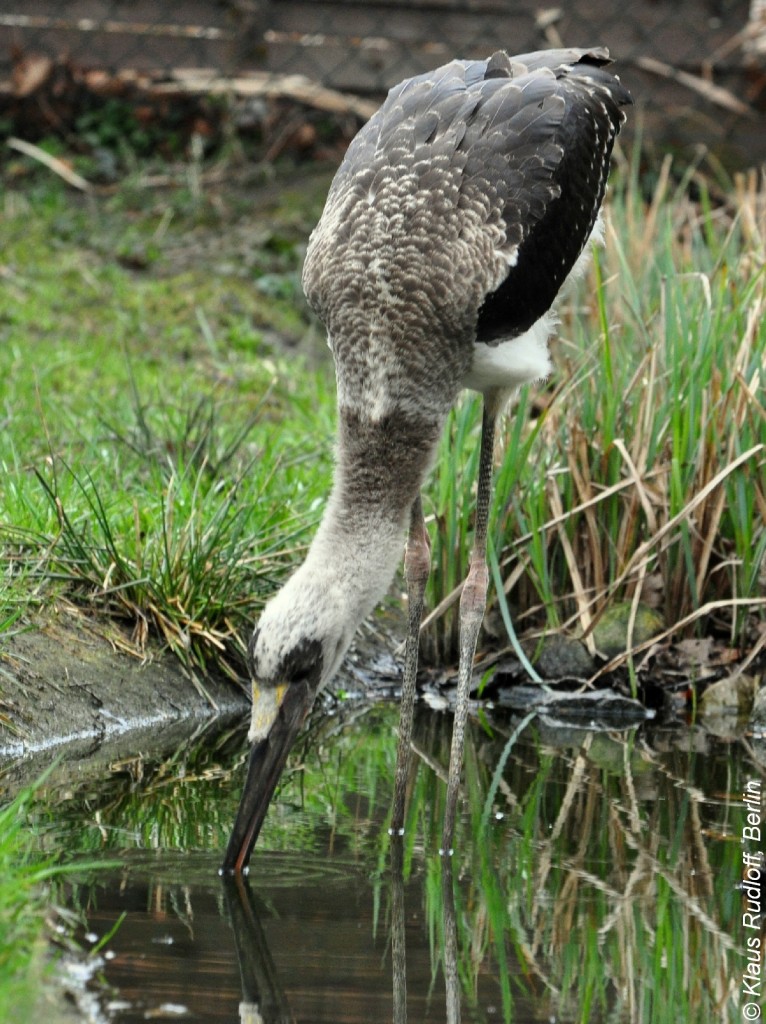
<point x="63" y="683"/>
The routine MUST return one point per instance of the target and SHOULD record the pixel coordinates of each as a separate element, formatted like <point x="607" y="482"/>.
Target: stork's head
<point x="296" y="648"/>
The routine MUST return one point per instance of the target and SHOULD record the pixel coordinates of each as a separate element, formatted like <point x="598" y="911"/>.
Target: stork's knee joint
<point x="417" y="561"/>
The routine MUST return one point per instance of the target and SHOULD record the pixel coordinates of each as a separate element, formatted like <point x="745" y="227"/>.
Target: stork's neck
<point x="381" y="465"/>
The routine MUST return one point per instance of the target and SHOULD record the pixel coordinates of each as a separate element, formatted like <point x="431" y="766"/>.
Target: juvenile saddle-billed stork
<point x="458" y="213"/>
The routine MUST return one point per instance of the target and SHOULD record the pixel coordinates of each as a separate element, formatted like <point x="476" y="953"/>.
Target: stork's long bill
<point x="459" y="211"/>
<point x="267" y="759"/>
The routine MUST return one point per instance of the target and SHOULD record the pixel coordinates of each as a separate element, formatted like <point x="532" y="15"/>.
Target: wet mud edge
<point x="64" y="687"/>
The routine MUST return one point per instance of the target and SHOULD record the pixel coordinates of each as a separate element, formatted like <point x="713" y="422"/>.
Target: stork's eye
<point x="304" y="663"/>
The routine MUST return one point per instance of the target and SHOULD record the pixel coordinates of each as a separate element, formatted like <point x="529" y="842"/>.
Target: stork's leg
<point x="417" y="565"/>
<point x="473" y="601"/>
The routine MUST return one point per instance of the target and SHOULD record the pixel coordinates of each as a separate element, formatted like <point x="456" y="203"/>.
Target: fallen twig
<point x="713" y="93"/>
<point x="51" y="162"/>
<point x="292" y="87"/>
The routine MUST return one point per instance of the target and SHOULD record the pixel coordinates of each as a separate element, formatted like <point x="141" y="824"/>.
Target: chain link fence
<point x="697" y="68"/>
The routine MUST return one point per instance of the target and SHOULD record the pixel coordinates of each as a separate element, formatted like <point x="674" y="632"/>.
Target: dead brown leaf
<point x="30" y="73"/>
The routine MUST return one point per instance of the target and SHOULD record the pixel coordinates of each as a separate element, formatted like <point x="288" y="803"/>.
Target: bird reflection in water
<point x="263" y="998"/>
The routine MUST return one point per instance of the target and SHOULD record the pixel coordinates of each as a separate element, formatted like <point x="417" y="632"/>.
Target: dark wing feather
<point x="554" y="234"/>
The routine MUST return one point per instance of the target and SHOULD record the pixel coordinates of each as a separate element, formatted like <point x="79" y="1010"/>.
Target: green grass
<point x="27" y="878"/>
<point x="163" y="461"/>
<point x="22" y="910"/>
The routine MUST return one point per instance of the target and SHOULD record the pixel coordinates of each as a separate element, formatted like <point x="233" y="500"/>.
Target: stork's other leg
<point x="417" y="565"/>
<point x="473" y="601"/>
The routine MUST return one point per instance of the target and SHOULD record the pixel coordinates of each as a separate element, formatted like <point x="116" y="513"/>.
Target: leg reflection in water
<point x="398" y="941"/>
<point x="451" y="980"/>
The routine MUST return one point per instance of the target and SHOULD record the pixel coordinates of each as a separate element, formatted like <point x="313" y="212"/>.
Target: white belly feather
<point x="509" y="364"/>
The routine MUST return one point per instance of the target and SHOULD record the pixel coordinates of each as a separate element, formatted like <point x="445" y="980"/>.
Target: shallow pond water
<point x="597" y="877"/>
